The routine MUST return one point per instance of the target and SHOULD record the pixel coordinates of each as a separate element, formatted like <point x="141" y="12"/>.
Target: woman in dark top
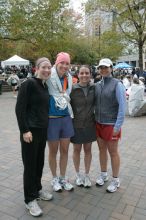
<point x="82" y="102"/>
<point x="32" y="117"/>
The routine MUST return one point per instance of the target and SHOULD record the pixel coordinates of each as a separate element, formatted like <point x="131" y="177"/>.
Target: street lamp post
<point x="99" y="35"/>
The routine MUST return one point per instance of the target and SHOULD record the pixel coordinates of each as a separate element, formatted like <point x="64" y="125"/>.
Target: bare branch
<point x="132" y="16"/>
<point x="144" y="19"/>
<point x="18" y="39"/>
<point x="128" y="36"/>
<point x="137" y="11"/>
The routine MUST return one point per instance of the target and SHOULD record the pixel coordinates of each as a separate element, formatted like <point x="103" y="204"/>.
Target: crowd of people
<point x="14" y="75"/>
<point x="21" y="71"/>
<point x="53" y="108"/>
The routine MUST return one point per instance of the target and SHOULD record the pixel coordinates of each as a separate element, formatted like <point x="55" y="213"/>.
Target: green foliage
<point x="130" y="16"/>
<point x="111" y="45"/>
<point x="32" y="22"/>
<point x="45" y="27"/>
<point x="83" y="53"/>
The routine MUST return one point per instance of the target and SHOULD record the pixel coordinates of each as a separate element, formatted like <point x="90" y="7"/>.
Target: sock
<point x="104" y="173"/>
<point x="62" y="177"/>
<point x="115" y="178"/>
<point x="54" y="177"/>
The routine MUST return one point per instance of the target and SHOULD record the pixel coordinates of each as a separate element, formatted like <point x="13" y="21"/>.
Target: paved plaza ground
<point x="128" y="203"/>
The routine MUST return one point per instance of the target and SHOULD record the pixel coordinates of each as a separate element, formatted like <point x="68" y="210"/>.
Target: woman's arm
<point x="22" y="105"/>
<point x="121" y="98"/>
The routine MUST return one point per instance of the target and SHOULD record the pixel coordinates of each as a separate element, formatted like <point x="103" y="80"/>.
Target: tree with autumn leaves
<point x="32" y="28"/>
<point x="129" y="19"/>
<point x="44" y="27"/>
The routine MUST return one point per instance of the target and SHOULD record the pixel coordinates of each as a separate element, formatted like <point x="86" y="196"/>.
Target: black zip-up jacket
<point x="32" y="105"/>
<point x="83" y="106"/>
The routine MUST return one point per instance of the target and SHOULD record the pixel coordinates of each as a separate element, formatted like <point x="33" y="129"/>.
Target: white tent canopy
<point x="15" y="61"/>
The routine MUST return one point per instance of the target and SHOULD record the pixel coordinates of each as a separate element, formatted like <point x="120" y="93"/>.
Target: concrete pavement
<point x="128" y="203"/>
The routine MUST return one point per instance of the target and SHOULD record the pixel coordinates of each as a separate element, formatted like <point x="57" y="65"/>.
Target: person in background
<point x="110" y="102"/>
<point x="32" y="117"/>
<point x="60" y="127"/>
<point x="133" y="72"/>
<point x="136" y="101"/>
<point x="127" y="81"/>
<point x="97" y="78"/>
<point x="93" y="71"/>
<point x="14" y="82"/>
<point x="142" y="82"/>
<point x="82" y="102"/>
<point x="75" y="78"/>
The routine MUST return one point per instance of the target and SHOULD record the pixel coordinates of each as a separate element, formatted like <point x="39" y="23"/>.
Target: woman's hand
<point x="115" y="133"/>
<point x="27" y="137"/>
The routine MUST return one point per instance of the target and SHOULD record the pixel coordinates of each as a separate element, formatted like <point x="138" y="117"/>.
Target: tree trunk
<point x="140" y="47"/>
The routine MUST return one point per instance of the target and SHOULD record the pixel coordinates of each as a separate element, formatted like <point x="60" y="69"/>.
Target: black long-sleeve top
<point x="32" y="105"/>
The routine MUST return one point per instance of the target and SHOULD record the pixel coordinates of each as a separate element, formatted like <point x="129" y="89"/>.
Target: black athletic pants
<point x="33" y="160"/>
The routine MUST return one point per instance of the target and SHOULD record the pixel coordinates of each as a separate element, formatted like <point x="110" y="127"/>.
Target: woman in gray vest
<point x="109" y="115"/>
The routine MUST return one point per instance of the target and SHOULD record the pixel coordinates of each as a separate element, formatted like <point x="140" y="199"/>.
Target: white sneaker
<point x="79" y="180"/>
<point x="34" y="208"/>
<point x="114" y="185"/>
<point x="66" y="184"/>
<point x="87" y="182"/>
<point x="101" y="179"/>
<point x="44" y="195"/>
<point x="56" y="185"/>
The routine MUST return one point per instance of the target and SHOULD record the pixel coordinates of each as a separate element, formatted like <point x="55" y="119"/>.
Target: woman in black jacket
<point x="82" y="101"/>
<point x="32" y="117"/>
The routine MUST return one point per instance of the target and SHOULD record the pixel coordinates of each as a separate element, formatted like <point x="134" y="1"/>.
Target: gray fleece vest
<point x="106" y="105"/>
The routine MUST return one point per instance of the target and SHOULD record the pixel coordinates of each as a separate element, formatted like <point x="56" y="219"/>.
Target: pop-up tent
<point x="122" y="66"/>
<point x="15" y="61"/>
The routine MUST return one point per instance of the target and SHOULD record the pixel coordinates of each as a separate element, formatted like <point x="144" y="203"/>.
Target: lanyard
<point x="65" y="84"/>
